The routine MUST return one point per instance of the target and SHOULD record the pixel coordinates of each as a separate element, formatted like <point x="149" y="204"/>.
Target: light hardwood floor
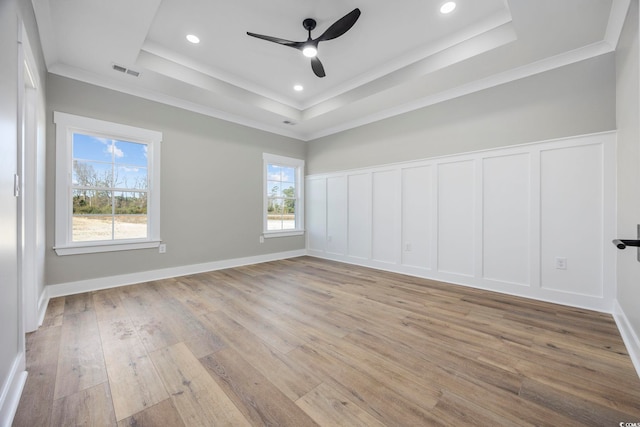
<point x="312" y="342"/>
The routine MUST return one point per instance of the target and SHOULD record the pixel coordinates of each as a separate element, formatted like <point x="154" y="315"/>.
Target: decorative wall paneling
<point x="534" y="220"/>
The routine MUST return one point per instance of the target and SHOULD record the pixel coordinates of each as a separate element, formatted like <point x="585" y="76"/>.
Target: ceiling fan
<point x="310" y="47"/>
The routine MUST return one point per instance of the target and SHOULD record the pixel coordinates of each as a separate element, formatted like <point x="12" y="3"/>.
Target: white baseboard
<point x="43" y="302"/>
<point x="12" y="390"/>
<point x="629" y="337"/>
<point x="586" y="302"/>
<point x="71" y="288"/>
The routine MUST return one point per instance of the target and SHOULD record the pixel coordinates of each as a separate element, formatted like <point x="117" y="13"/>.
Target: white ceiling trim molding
<point x="159" y="51"/>
<point x="150" y="95"/>
<point x="424" y="55"/>
<point x="529" y="70"/>
<point x="219" y="87"/>
<point x="462" y="51"/>
<point x="42" y="12"/>
<point x="547" y="64"/>
<point x="619" y="9"/>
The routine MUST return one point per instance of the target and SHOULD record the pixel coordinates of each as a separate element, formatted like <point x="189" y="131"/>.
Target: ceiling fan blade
<point x="296" y="45"/>
<point x="341" y="26"/>
<point x="317" y="67"/>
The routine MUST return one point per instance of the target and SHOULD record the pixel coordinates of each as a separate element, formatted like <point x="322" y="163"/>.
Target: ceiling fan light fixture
<point x="310" y="51"/>
<point x="448" y="7"/>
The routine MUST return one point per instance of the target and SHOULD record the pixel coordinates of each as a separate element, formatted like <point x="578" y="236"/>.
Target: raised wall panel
<point x="456" y="216"/>
<point x="501" y="219"/>
<point x="506" y="218"/>
<point x="385" y="216"/>
<point x="359" y="220"/>
<point x="572" y="219"/>
<point x="337" y="215"/>
<point x="417" y="216"/>
<point x="316" y="209"/>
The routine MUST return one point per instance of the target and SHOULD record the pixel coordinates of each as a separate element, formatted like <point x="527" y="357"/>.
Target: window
<point x="107" y="186"/>
<point x="283" y="196"/>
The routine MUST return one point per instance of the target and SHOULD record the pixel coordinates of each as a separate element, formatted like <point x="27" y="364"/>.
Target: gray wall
<point x="573" y="100"/>
<point x="211" y="184"/>
<point x="628" y="112"/>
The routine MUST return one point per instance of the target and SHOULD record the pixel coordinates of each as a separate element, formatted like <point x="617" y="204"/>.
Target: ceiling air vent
<point x="125" y="70"/>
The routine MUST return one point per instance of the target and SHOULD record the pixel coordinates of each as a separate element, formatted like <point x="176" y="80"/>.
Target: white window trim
<point x="291" y="162"/>
<point x="66" y="125"/>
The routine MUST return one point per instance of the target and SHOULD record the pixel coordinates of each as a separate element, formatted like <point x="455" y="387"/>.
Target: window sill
<point x="93" y="247"/>
<point x="270" y="234"/>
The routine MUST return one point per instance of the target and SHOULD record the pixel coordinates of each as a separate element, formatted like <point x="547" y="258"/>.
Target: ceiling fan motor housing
<point x="309" y="24"/>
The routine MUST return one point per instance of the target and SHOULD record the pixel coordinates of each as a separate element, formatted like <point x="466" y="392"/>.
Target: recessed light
<point x="193" y="38"/>
<point x="448" y="7"/>
<point x="298" y="88"/>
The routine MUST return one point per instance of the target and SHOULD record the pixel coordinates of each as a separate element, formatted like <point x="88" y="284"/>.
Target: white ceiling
<point x="399" y="56"/>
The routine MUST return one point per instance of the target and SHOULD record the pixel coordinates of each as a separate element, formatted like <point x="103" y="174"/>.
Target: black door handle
<point x="623" y="243"/>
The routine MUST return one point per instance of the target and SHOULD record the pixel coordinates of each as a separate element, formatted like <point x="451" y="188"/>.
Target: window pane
<point x="131" y="177"/>
<point x="130" y="203"/>
<point x="92" y="216"/>
<point x="88" y="147"/>
<point x="288" y="215"/>
<point x="289" y="207"/>
<point x="288" y="174"/>
<point x="92" y="227"/>
<point x="274" y="214"/>
<point x="130" y="226"/>
<point x="289" y="190"/>
<point x="130" y="153"/>
<point x="274" y="172"/>
<point x="274" y="189"/>
<point x="92" y="174"/>
<point x="89" y="202"/>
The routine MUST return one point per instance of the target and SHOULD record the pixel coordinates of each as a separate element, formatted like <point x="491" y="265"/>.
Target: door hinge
<point x="16" y="185"/>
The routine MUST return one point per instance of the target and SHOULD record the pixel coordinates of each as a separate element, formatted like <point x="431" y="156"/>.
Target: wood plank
<point x="80" y="360"/>
<point x="329" y="407"/>
<point x="260" y="321"/>
<point x="455" y="410"/>
<point x="198" y="398"/>
<point x="198" y="296"/>
<point x="36" y="402"/>
<point x="54" y="313"/>
<point x="616" y="397"/>
<point x="108" y="305"/>
<point x="258" y="399"/>
<point x="90" y="407"/>
<point x="290" y="378"/>
<point x="575" y="408"/>
<point x="398" y="380"/>
<point x="78" y="303"/>
<point x="161" y="414"/>
<point x="145" y="307"/>
<point x="371" y="395"/>
<point x="133" y="380"/>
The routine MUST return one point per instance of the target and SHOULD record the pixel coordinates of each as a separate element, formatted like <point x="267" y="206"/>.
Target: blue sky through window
<point x="280" y="178"/>
<point x="121" y="164"/>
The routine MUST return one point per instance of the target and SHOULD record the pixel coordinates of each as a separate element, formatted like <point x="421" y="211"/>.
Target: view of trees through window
<point x="110" y="189"/>
<point x="281" y="197"/>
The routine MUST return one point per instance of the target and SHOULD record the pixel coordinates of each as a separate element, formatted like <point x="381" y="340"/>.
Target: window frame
<point x="298" y="164"/>
<point x="66" y="126"/>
